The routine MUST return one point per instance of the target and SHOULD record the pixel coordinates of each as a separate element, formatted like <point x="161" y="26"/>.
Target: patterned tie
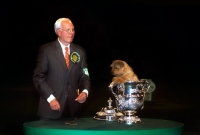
<point x="67" y="56"/>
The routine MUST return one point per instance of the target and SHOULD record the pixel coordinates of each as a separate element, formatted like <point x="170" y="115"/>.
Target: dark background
<point x="160" y="40"/>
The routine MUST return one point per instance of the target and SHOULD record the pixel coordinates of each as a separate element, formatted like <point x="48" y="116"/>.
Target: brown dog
<point x="122" y="72"/>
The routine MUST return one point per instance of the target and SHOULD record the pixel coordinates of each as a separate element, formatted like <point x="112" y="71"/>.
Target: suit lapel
<point x="72" y="49"/>
<point x="59" y="54"/>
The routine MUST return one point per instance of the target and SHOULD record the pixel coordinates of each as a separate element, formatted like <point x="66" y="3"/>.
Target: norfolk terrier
<point x="122" y="72"/>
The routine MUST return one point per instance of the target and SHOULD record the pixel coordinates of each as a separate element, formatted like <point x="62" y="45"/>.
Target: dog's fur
<point x="122" y="72"/>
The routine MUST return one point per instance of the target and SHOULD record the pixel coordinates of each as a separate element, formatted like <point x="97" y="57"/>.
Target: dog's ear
<point x="118" y="64"/>
<point x="121" y="64"/>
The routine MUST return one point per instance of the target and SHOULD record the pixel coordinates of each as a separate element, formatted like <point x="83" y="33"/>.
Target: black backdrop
<point x="159" y="40"/>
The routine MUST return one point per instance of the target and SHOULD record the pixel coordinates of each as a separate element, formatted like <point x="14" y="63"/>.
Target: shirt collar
<point x="62" y="45"/>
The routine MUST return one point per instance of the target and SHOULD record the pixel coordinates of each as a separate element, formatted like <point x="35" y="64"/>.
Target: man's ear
<point x="58" y="32"/>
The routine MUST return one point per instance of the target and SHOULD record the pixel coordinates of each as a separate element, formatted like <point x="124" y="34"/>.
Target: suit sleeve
<point x="40" y="72"/>
<point x="84" y="81"/>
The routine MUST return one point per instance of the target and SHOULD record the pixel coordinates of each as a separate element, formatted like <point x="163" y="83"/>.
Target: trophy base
<point x="106" y="118"/>
<point x="129" y="117"/>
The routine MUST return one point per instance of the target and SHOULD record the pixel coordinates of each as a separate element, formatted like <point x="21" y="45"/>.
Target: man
<point x="58" y="81"/>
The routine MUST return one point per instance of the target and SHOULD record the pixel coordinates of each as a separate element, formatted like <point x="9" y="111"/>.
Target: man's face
<point x="66" y="32"/>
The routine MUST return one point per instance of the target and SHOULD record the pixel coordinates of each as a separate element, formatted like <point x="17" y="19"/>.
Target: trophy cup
<point x="129" y="98"/>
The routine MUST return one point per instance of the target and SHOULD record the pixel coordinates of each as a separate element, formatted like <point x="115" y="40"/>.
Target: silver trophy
<point x="108" y="113"/>
<point x="129" y="98"/>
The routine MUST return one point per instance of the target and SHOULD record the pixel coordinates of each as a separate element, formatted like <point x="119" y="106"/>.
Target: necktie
<point x="67" y="56"/>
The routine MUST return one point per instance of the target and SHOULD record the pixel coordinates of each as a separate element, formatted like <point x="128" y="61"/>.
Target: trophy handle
<point x="146" y="85"/>
<point x="112" y="84"/>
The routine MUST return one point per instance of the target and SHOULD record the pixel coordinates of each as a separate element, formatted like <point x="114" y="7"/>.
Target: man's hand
<point x="81" y="98"/>
<point x="54" y="104"/>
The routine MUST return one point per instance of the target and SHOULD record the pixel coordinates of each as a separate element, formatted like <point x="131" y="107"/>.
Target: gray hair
<point x="57" y="24"/>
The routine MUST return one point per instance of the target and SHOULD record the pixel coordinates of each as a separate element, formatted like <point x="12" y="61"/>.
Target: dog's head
<point x="118" y="67"/>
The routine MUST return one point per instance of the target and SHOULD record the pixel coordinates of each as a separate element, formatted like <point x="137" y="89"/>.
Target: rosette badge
<point x="75" y="57"/>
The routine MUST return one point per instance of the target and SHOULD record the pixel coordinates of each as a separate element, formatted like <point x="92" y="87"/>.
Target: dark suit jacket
<point x="51" y="76"/>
